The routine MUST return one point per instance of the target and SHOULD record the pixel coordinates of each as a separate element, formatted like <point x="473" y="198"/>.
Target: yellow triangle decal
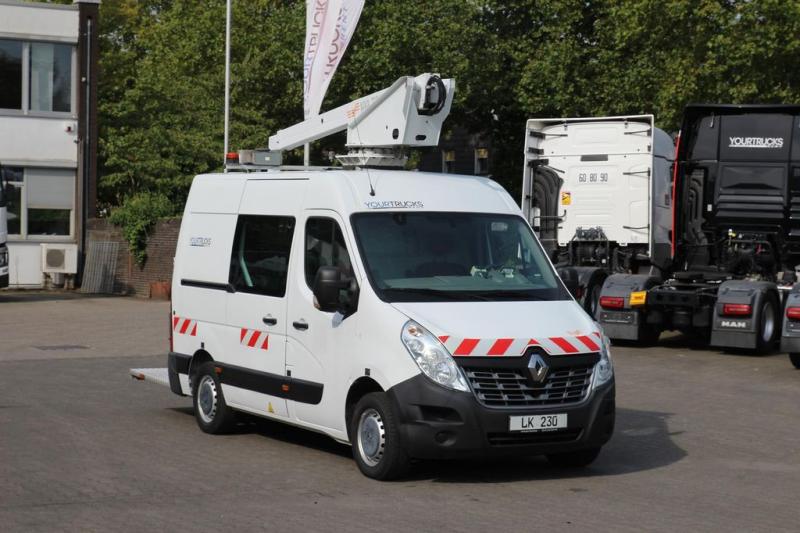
<point x="270" y="409"/>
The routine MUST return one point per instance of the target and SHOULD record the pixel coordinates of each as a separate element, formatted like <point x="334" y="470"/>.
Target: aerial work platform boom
<point x="381" y="125"/>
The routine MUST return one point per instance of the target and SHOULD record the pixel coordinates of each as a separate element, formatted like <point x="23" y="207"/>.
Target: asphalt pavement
<point x="705" y="441"/>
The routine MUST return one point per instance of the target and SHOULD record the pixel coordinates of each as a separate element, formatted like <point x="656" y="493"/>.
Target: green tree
<point x="161" y="92"/>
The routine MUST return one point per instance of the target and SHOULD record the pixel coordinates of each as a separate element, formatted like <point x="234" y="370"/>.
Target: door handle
<point x="300" y="324"/>
<point x="268" y="320"/>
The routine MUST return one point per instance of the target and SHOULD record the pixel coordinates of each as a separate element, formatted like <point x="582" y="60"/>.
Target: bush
<point x="136" y="217"/>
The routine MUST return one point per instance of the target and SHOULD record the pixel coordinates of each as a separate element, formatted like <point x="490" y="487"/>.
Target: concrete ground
<point x="705" y="441"/>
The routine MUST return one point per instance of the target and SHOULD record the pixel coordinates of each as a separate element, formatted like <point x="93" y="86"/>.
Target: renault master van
<point x="410" y="315"/>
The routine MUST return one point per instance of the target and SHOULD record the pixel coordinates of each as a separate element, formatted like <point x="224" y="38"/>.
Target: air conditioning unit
<point x="61" y="258"/>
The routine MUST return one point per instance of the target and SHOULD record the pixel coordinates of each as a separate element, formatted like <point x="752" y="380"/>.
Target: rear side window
<point x="325" y="247"/>
<point x="260" y="256"/>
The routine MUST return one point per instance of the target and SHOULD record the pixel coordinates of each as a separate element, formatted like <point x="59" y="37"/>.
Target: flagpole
<point x="227" y="78"/>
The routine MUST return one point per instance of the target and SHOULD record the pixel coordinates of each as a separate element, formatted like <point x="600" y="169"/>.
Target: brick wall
<point x="130" y="277"/>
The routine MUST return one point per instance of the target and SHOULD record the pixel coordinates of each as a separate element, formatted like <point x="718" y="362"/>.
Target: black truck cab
<point x="735" y="237"/>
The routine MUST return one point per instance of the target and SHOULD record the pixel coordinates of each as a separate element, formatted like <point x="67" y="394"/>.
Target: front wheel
<point x="575" y="459"/>
<point x="795" y="359"/>
<point x="375" y="434"/>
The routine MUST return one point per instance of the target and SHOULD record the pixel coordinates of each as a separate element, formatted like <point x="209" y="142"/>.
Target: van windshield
<point x="432" y="256"/>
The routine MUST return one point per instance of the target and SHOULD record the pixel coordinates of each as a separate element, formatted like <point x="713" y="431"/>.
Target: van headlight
<point x="432" y="358"/>
<point x="604" y="370"/>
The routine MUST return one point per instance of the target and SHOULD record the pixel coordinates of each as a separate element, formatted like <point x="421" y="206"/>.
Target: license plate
<point x="537" y="422"/>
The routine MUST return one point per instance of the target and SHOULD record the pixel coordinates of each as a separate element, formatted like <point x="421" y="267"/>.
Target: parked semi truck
<point x="5" y="192"/>
<point x="597" y="192"/>
<point x="735" y="239"/>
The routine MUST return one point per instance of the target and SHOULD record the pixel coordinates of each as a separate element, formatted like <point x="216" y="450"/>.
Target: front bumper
<point x="436" y="423"/>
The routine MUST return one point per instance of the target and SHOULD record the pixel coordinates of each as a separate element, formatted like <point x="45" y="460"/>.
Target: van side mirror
<point x="570" y="278"/>
<point x="333" y="292"/>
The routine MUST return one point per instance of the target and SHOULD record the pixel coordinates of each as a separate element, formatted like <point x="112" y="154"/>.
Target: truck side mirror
<point x="333" y="292"/>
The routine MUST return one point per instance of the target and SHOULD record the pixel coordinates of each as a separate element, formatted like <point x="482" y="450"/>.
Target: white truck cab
<point x="412" y="315"/>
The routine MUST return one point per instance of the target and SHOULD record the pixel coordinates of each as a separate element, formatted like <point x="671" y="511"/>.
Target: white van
<point x="412" y="315"/>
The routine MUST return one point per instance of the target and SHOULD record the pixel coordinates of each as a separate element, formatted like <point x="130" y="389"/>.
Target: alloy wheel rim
<point x="371" y="438"/>
<point x="207" y="399"/>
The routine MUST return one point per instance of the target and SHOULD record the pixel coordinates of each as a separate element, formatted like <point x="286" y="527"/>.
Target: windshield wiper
<point x="521" y="294"/>
<point x="450" y="295"/>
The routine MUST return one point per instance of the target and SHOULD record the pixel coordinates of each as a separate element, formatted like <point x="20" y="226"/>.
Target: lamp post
<point x="227" y="79"/>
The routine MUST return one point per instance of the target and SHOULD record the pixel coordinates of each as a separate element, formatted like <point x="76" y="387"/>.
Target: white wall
<point x="25" y="264"/>
<point x="32" y="21"/>
<point x="29" y="141"/>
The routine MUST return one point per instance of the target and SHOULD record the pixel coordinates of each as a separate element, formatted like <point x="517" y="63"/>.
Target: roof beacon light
<point x="380" y="126"/>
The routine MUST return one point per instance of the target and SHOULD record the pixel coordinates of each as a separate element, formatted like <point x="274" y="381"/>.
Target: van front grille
<point x="507" y="387"/>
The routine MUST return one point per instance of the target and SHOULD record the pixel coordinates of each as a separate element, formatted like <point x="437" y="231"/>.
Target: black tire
<point x="577" y="459"/>
<point x="210" y="410"/>
<point x="795" y="359"/>
<point x="648" y="334"/>
<point x="375" y="435"/>
<point x="768" y="325"/>
<point x="591" y="302"/>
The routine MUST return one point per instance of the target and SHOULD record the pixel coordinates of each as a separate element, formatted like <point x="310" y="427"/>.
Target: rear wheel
<point x="795" y="359"/>
<point x="592" y="301"/>
<point x="210" y="410"/>
<point x="375" y="434"/>
<point x="648" y="334"/>
<point x="576" y="459"/>
<point x="767" y="324"/>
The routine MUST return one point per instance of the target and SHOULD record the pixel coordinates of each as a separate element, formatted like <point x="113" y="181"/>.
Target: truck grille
<point x="506" y="387"/>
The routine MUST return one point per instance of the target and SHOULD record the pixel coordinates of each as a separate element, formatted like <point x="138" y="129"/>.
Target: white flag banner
<point x="330" y="25"/>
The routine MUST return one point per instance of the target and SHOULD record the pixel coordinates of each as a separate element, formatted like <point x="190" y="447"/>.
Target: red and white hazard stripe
<point x="184" y="326"/>
<point x="475" y="347"/>
<point x="253" y="338"/>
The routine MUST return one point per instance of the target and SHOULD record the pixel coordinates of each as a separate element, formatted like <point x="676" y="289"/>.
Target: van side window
<point x="260" y="256"/>
<point x="325" y="247"/>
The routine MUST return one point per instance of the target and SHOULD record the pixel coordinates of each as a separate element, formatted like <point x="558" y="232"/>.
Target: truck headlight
<point x="432" y="358"/>
<point x="604" y="370"/>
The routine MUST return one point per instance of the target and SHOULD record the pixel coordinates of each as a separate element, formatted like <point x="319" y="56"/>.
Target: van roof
<point x="360" y="190"/>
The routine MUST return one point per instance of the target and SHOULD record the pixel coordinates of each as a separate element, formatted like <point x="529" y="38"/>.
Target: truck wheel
<point x="576" y="459"/>
<point x="767" y="324"/>
<point x="795" y="359"/>
<point x="648" y="334"/>
<point x="374" y="432"/>
<point x="210" y="410"/>
<point x="592" y="301"/>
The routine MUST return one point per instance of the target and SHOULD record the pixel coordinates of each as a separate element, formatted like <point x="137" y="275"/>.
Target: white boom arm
<point x="409" y="113"/>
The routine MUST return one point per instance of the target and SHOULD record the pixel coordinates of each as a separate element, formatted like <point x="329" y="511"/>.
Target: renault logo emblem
<point x="538" y="368"/>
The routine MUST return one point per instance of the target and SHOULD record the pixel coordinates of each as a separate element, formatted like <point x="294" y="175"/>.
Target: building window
<point x="449" y="161"/>
<point x="50" y="196"/>
<point x="12" y="195"/>
<point x="51" y="77"/>
<point x="41" y="203"/>
<point x="10" y="74"/>
<point x="37" y="77"/>
<point x="481" y="161"/>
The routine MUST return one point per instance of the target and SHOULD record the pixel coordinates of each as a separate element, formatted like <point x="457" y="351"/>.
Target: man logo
<point x="538" y="368"/>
